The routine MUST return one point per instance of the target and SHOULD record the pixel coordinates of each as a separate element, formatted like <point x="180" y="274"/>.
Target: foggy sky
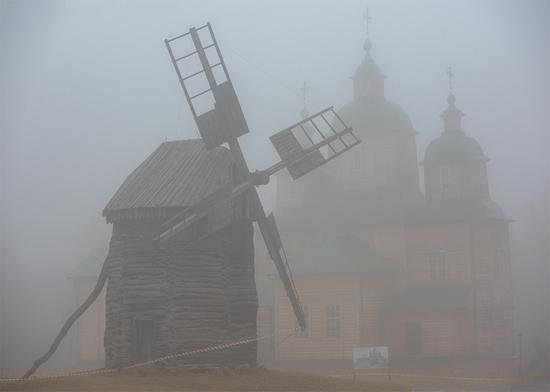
<point x="87" y="91"/>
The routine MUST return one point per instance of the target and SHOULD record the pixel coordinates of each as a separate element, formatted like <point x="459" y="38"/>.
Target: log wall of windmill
<point x="197" y="296"/>
<point x="243" y="297"/>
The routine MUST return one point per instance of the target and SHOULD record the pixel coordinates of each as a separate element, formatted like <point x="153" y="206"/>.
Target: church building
<point x="378" y="263"/>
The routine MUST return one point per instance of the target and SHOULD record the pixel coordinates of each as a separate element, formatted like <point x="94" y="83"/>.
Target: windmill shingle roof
<point x="176" y="174"/>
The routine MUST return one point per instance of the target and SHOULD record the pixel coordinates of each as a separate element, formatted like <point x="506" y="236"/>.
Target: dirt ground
<point x="257" y="380"/>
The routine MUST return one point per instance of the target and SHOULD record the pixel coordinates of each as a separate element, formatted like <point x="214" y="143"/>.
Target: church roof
<point x="431" y="297"/>
<point x="455" y="210"/>
<point x="366" y="115"/>
<point x="383" y="206"/>
<point x="369" y="112"/>
<point x="348" y="208"/>
<point x="176" y="174"/>
<point x="453" y="146"/>
<point x="368" y="67"/>
<point x="340" y="254"/>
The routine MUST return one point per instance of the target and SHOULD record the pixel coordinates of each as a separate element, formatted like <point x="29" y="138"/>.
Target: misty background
<point x="87" y="92"/>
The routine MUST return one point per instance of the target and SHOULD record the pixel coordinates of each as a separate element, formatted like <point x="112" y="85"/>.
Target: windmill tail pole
<point x="70" y="321"/>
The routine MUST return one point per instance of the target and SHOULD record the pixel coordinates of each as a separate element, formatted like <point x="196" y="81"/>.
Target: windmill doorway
<point x="144" y="340"/>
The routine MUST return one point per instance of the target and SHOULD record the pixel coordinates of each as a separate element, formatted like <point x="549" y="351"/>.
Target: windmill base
<point x="168" y="300"/>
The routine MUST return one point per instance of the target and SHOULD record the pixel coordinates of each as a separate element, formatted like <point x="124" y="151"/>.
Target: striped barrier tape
<point x="137" y="365"/>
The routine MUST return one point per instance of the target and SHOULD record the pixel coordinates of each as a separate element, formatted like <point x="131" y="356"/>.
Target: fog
<point x="87" y="92"/>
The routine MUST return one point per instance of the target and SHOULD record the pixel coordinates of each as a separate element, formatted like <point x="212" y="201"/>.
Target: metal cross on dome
<point x="302" y="147"/>
<point x="451" y="76"/>
<point x="367" y="18"/>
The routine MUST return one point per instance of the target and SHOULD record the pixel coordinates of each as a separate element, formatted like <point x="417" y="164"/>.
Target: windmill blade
<point x="272" y="239"/>
<point x="211" y="213"/>
<point x="313" y="142"/>
<point x="205" y="80"/>
<point x="301" y="149"/>
<point x="202" y="219"/>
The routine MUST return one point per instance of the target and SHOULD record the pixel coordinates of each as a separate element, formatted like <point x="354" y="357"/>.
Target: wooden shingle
<point x="177" y="174"/>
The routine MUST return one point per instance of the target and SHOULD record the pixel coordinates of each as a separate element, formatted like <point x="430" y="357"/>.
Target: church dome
<point x="369" y="110"/>
<point x="368" y="67"/>
<point x="368" y="115"/>
<point x="453" y="146"/>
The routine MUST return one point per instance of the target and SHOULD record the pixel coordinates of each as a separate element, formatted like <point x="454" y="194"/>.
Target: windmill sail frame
<point x="295" y="158"/>
<point x="225" y="121"/>
<point x="300" y="145"/>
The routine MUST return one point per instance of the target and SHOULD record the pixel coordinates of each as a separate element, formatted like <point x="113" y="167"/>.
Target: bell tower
<point x="368" y="80"/>
<point x="455" y="166"/>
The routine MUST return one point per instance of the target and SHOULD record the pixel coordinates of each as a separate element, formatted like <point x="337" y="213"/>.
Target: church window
<point x="299" y="332"/>
<point x="437" y="266"/>
<point x="333" y="321"/>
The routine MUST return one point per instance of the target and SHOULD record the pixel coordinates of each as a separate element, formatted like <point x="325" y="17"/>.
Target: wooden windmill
<point x="302" y="147"/>
<point x="180" y="268"/>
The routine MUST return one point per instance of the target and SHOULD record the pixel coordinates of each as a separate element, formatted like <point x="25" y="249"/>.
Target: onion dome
<point x="453" y="144"/>
<point x="368" y="67"/>
<point x="370" y="111"/>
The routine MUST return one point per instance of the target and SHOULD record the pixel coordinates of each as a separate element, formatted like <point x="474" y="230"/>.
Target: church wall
<point x="298" y="193"/>
<point x="494" y="304"/>
<point x="384" y="159"/>
<point x="457" y="180"/>
<point x="441" y="334"/>
<point x="299" y="241"/>
<point x="473" y="253"/>
<point x="429" y="244"/>
<point x="492" y="251"/>
<point x="375" y="292"/>
<point x="388" y="241"/>
<point x="316" y="294"/>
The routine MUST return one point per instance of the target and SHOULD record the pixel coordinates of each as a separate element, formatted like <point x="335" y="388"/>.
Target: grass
<point x="250" y="380"/>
